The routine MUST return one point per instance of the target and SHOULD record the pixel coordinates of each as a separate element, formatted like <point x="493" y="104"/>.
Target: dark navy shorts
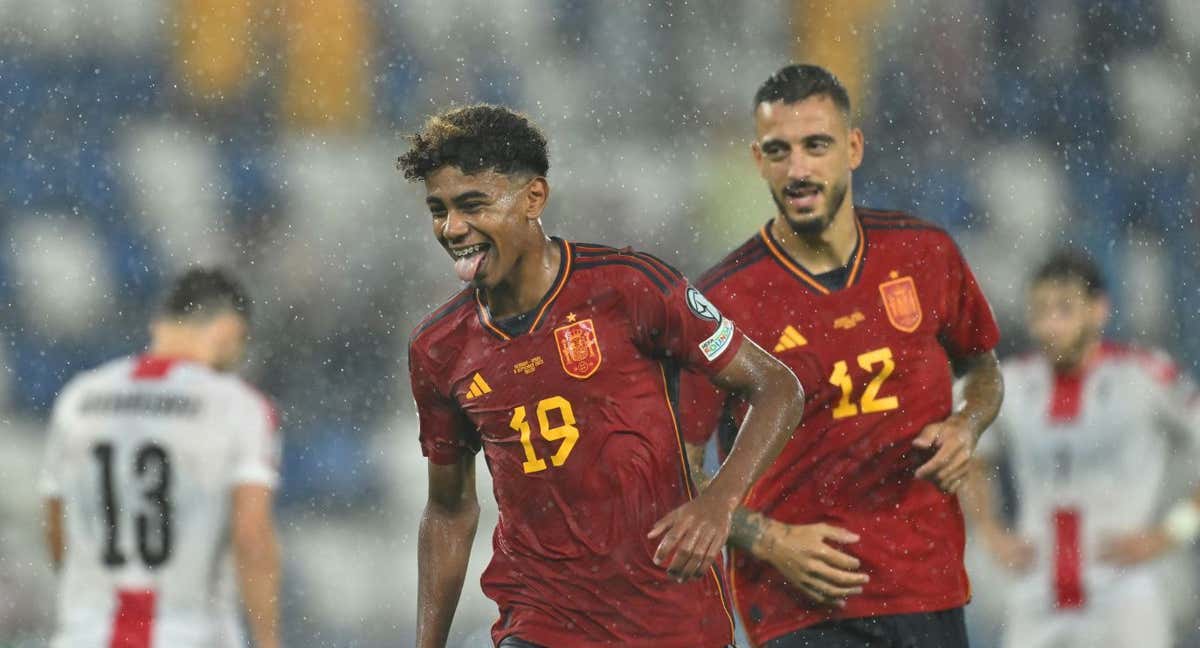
<point x="944" y="629"/>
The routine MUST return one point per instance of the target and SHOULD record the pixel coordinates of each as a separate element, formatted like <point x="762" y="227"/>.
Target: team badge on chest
<point x="578" y="348"/>
<point x="901" y="303"/>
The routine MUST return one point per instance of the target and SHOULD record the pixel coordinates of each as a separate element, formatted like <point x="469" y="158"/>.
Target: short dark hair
<point x="476" y="138"/>
<point x="1072" y="265"/>
<point x="799" y="81"/>
<point x="204" y="292"/>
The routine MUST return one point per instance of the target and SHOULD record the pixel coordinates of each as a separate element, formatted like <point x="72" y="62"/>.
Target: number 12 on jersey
<point x="565" y="432"/>
<point x="870" y="402"/>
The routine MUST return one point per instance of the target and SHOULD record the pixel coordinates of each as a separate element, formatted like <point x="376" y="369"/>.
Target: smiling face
<point x="806" y="152"/>
<point x="486" y="221"/>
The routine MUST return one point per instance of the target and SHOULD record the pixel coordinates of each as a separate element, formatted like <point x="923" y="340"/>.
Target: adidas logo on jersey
<point x="478" y="387"/>
<point x="790" y="339"/>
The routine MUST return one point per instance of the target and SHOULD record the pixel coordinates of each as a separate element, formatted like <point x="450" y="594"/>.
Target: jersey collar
<point x="799" y="272"/>
<point x="560" y="280"/>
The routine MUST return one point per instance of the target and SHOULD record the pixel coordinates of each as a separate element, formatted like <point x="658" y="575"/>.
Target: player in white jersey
<point x="158" y="483"/>
<point x="1089" y="429"/>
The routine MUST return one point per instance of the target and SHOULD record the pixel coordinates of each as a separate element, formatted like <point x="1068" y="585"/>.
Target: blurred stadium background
<point x="140" y="136"/>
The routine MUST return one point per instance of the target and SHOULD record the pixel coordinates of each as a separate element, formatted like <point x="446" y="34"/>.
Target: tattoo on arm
<point x="747" y="530"/>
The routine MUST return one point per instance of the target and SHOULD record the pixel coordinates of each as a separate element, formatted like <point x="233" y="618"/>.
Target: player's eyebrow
<point x="470" y="195"/>
<point x="819" y="138"/>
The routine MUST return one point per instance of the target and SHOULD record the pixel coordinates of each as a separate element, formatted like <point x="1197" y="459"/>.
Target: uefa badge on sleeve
<point x="578" y="348"/>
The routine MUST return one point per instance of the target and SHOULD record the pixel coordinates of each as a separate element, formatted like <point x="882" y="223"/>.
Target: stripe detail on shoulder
<point x="741" y="258"/>
<point x="458" y="301"/>
<point x="662" y="273"/>
<point x="879" y="219"/>
<point x="627" y="260"/>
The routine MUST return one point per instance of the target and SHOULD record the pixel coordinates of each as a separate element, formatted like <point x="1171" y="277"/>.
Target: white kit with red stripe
<point x="1089" y="452"/>
<point x="144" y="453"/>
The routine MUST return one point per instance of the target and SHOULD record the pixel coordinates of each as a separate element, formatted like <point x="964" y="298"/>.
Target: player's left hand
<point x="693" y="535"/>
<point x="953" y="442"/>
<point x="1135" y="548"/>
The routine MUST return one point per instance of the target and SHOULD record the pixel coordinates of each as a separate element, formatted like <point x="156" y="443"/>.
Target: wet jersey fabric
<point x="874" y="356"/>
<point x="576" y="417"/>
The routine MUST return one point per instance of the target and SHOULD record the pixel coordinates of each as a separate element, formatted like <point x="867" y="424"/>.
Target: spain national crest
<point x="901" y="303"/>
<point x="578" y="348"/>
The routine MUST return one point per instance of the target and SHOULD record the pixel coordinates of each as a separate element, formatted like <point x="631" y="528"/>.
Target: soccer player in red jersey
<point x="561" y="361"/>
<point x="854" y="536"/>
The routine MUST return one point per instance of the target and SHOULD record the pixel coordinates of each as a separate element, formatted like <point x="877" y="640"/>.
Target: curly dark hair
<point x="476" y="138"/>
<point x="799" y="81"/>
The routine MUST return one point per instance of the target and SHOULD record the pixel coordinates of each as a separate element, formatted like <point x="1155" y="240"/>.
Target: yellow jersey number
<point x="565" y="432"/>
<point x="869" y="402"/>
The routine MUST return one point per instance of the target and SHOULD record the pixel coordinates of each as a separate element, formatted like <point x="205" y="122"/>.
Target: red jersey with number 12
<point x="873" y="355"/>
<point x="575" y="413"/>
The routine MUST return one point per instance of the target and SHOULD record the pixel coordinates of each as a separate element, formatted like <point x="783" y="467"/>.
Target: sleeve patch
<point x="716" y="343"/>
<point x="701" y="307"/>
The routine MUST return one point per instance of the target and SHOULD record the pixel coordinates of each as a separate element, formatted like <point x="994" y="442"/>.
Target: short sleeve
<point x="674" y="320"/>
<point x="445" y="431"/>
<point x="969" y="327"/>
<point x="1177" y="400"/>
<point x="259" y="446"/>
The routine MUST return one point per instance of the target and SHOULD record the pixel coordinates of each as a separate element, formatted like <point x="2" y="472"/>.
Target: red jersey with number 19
<point x="873" y="354"/>
<point x="574" y="409"/>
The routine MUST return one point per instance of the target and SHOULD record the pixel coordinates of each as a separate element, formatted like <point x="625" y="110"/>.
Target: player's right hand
<point x="805" y="557"/>
<point x="1012" y="551"/>
<point x="693" y="535"/>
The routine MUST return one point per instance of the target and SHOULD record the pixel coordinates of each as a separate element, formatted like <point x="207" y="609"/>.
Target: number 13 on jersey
<point x="565" y="432"/>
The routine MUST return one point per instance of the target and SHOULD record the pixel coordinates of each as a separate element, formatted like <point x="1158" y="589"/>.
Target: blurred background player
<point x="1088" y="430"/>
<point x="561" y="361"/>
<point x="158" y="482"/>
<point x="854" y="536"/>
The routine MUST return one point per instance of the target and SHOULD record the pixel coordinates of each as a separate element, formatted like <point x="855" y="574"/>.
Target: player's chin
<point x="809" y="221"/>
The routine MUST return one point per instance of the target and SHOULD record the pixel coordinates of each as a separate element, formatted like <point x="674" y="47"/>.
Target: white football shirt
<point x="1089" y="454"/>
<point x="144" y="454"/>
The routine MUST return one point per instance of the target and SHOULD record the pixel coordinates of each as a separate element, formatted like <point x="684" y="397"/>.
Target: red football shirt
<point x="576" y="417"/>
<point x="874" y="360"/>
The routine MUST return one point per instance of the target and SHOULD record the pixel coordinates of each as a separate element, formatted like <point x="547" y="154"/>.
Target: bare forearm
<point x="769" y="424"/>
<point x="983" y="391"/>
<point x="749" y="531"/>
<point x="747" y="527"/>
<point x="444" y="550"/>
<point x="258" y="572"/>
<point x="55" y="544"/>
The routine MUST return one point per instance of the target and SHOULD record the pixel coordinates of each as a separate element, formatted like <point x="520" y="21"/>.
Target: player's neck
<point x="1087" y="355"/>
<point x="177" y="345"/>
<point x="531" y="278"/>
<point x="823" y="251"/>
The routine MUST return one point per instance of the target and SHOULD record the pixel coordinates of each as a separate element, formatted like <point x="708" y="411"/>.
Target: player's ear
<point x="537" y="193"/>
<point x="857" y="144"/>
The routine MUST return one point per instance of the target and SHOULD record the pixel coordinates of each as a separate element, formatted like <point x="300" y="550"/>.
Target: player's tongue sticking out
<point x="467" y="265"/>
